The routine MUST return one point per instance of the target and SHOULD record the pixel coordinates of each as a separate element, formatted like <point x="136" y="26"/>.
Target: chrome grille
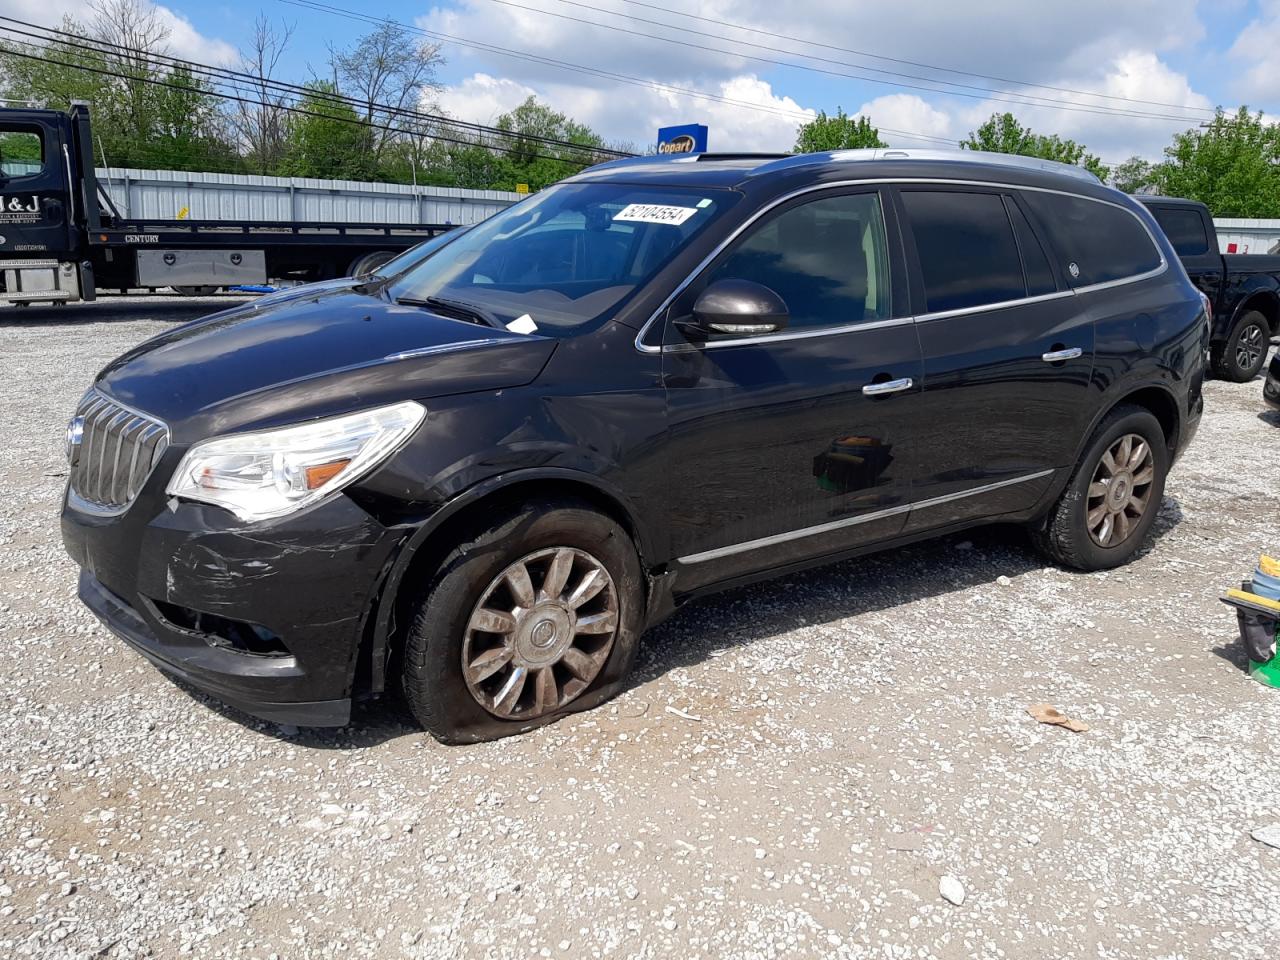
<point x="117" y="452"/>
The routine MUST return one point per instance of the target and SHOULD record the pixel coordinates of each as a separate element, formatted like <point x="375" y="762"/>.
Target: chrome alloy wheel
<point x="1120" y="491"/>
<point x="529" y="651"/>
<point x="1250" y="346"/>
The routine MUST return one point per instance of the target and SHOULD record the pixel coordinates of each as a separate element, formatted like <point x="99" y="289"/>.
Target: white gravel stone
<point x="809" y="691"/>
<point x="951" y="890"/>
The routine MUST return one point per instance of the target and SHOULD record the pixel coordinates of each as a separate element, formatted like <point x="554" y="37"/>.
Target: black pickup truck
<point x="1243" y="288"/>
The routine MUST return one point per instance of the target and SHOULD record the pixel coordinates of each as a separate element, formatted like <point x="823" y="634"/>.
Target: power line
<point x="589" y="71"/>
<point x="288" y="109"/>
<point x="227" y="77"/>
<point x="868" y="54"/>
<point x="1028" y="100"/>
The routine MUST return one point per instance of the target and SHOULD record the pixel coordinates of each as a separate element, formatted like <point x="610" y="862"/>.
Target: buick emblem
<point x="75" y="436"/>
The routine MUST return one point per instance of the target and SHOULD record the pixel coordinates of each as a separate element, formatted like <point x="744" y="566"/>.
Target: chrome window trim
<point x="1000" y="305"/>
<point x="717" y="552"/>
<point x="788" y="335"/>
<point x="879" y="182"/>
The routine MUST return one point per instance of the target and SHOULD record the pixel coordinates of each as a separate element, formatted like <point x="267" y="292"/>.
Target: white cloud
<point x="752" y="117"/>
<point x="1096" y="46"/>
<point x="189" y="43"/>
<point x="899" y="115"/>
<point x="1133" y="74"/>
<point x="1255" y="51"/>
<point x="482" y="98"/>
<point x="185" y="40"/>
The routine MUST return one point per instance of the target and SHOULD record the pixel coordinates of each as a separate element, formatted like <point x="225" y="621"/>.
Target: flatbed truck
<point x="62" y="239"/>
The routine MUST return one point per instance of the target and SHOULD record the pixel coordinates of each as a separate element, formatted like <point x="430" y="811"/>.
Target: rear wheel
<point x="526" y="620"/>
<point x="367" y="264"/>
<point x="1241" y="357"/>
<point x="196" y="291"/>
<point x="1112" y="499"/>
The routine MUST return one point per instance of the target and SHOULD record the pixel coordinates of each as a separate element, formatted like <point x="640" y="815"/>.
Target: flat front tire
<point x="530" y="618"/>
<point x="1112" y="499"/>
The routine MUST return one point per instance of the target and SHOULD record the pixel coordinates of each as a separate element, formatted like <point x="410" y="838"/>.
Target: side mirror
<point x="738" y="308"/>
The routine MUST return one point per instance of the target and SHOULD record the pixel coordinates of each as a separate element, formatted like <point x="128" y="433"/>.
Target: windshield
<point x="417" y="253"/>
<point x="566" y="256"/>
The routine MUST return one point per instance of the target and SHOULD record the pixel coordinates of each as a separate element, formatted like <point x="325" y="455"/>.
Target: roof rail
<point x="954" y="156"/>
<point x="689" y="158"/>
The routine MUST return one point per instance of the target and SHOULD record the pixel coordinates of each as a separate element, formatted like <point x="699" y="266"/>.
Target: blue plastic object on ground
<point x="1266" y="584"/>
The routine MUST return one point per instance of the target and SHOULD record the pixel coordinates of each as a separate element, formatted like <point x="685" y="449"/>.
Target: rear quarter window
<point x="1185" y="230"/>
<point x="1104" y="242"/>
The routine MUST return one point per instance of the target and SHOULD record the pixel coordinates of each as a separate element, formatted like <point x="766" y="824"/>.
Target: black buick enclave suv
<point x="482" y="479"/>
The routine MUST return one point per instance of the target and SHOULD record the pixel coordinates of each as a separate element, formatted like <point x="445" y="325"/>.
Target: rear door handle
<point x="1053" y="356"/>
<point x="889" y="386"/>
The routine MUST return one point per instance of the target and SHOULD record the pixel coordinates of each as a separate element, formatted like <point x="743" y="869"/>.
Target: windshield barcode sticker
<point x="655" y="213"/>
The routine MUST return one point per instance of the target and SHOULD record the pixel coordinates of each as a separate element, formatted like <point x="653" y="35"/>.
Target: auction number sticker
<point x="655" y="213"/>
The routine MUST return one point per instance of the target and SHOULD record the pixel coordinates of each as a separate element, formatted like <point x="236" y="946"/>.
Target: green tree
<point x="1134" y="175"/>
<point x="841" y="132"/>
<point x="1004" y="134"/>
<point x="525" y="160"/>
<point x="1232" y="165"/>
<point x="387" y="73"/>
<point x="326" y="139"/>
<point x="145" y="114"/>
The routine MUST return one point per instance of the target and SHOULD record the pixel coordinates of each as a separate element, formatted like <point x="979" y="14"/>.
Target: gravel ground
<point x="795" y="771"/>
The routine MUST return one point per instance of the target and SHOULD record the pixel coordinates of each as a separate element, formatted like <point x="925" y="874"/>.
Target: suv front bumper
<point x="266" y="617"/>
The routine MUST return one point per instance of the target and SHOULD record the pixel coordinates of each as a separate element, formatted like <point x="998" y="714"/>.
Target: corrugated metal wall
<point x="165" y="194"/>
<point x="1249" y="235"/>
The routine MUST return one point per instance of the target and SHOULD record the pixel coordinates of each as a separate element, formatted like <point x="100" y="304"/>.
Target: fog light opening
<point x="251" y="639"/>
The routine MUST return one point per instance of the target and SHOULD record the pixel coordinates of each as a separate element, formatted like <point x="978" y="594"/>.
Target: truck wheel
<point x="531" y="618"/>
<point x="1112" y="499"/>
<point x="1241" y="357"/>
<point x="196" y="291"/>
<point x="363" y="266"/>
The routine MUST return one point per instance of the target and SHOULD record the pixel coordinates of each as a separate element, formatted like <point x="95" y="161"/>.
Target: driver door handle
<point x="1053" y="356"/>
<point x="889" y="386"/>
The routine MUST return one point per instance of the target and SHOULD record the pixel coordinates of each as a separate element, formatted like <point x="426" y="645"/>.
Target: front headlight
<point x="273" y="472"/>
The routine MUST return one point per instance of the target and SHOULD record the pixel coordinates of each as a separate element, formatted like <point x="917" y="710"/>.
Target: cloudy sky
<point x="1121" y="77"/>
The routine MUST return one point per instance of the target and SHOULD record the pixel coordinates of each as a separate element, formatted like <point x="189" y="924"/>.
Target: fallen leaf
<point x="1047" y="713"/>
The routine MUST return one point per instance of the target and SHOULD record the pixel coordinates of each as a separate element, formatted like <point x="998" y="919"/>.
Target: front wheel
<point x="1112" y="499"/>
<point x="529" y="619"/>
<point x="1240" y="358"/>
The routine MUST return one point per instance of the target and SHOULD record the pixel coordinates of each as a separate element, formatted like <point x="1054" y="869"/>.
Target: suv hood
<point x="319" y="356"/>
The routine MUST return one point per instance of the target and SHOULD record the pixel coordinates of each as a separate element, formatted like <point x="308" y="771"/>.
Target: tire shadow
<point x="850" y="588"/>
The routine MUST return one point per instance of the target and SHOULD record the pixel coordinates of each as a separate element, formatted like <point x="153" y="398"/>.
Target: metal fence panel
<point x="1250" y="235"/>
<point x="178" y="195"/>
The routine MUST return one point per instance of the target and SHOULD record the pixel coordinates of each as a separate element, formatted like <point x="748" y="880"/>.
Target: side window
<point x="1185" y="230"/>
<point x="968" y="256"/>
<point x="1034" y="262"/>
<point x="826" y="258"/>
<point x="1095" y="242"/>
<point x="21" y="153"/>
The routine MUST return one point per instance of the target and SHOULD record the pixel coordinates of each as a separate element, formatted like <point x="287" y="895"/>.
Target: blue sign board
<point x="690" y="138"/>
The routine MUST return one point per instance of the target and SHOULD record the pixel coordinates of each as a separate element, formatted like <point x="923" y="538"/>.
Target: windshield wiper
<point x="450" y="307"/>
